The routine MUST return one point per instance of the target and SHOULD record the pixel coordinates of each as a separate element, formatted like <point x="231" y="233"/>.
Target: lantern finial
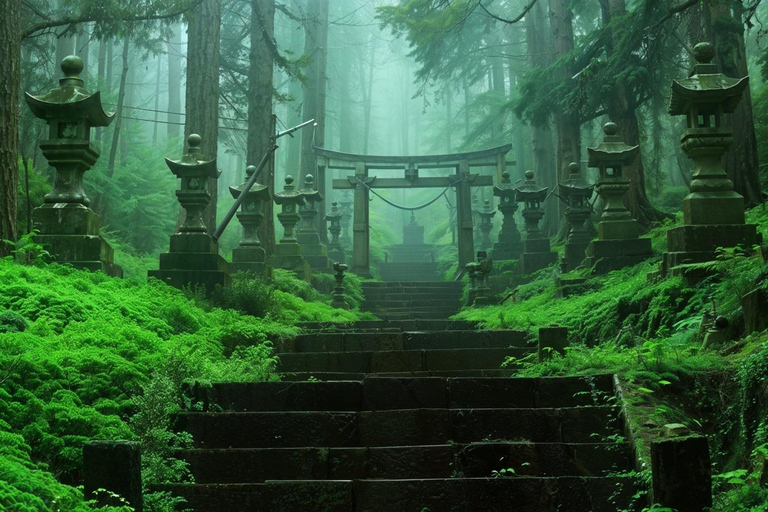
<point x="704" y="52"/>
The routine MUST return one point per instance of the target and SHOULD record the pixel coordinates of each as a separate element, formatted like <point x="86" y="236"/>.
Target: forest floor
<point x="84" y="356"/>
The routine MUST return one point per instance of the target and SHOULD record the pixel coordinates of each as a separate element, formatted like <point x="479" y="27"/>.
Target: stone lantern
<point x="713" y="213"/>
<point x="313" y="251"/>
<point x="483" y="293"/>
<point x="194" y="256"/>
<point x="509" y="245"/>
<point x="618" y="244"/>
<point x="486" y="215"/>
<point x="536" y="251"/>
<point x="339" y="300"/>
<point x="67" y="226"/>
<point x="288" y="254"/>
<point x="333" y="218"/>
<point x="250" y="255"/>
<point x="575" y="192"/>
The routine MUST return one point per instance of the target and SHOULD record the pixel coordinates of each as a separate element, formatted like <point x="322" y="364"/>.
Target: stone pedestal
<point x="250" y="256"/>
<point x="509" y="245"/>
<point x="193" y="260"/>
<point x="536" y="256"/>
<point x="682" y="473"/>
<point x="250" y="259"/>
<point x="697" y="244"/>
<point x="314" y="252"/>
<point x="606" y="255"/>
<point x="70" y="232"/>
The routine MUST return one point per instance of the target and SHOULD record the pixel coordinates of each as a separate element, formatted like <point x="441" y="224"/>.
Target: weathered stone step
<point x="414" y="284"/>
<point x="355" y="342"/>
<point x="412" y="314"/>
<point x="253" y="465"/>
<point x="398" y="360"/>
<point x="406" y="325"/>
<point x="518" y="494"/>
<point x="506" y="372"/>
<point x="409" y="301"/>
<point x="385" y="393"/>
<point x="376" y="293"/>
<point x="397" y="427"/>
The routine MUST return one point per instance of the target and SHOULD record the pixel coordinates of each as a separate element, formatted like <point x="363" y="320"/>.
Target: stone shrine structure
<point x="486" y="215"/>
<point x="314" y="252"/>
<point x="713" y="213"/>
<point x="575" y="193"/>
<point x="509" y="245"/>
<point x="334" y="218"/>
<point x="346" y="215"/>
<point x="339" y="300"/>
<point x="287" y="254"/>
<point x="617" y="243"/>
<point x="67" y="226"/>
<point x="413" y="260"/>
<point x="250" y="255"/>
<point x="194" y="258"/>
<point x="536" y="251"/>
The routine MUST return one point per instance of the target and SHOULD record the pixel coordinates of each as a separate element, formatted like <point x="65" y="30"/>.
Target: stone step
<point x="253" y="465"/>
<point x="353" y="342"/>
<point x="506" y="372"/>
<point x="413" y="284"/>
<point x="385" y="393"/>
<point x="410" y="302"/>
<point x="406" y="325"/>
<point x="412" y="314"/>
<point x="518" y="494"/>
<point x="398" y="360"/>
<point x="397" y="427"/>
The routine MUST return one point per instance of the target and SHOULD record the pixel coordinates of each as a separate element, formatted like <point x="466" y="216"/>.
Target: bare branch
<point x="106" y="16"/>
<point x="675" y="10"/>
<point x="504" y="20"/>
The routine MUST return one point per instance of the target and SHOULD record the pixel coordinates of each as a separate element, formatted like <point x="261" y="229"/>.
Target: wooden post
<point x="360" y="224"/>
<point x="464" y="216"/>
<point x="320" y="181"/>
<point x="501" y="166"/>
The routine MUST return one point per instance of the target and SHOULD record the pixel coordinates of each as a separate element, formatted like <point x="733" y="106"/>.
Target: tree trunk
<point x="128" y="102"/>
<point x="174" y="83"/>
<point x="119" y="111"/>
<point x="260" y="131"/>
<point x="567" y="123"/>
<point x="202" y="99"/>
<point x="368" y="91"/>
<point x="621" y="110"/>
<point x="316" y="47"/>
<point x="544" y="165"/>
<point x="10" y="86"/>
<point x="83" y="51"/>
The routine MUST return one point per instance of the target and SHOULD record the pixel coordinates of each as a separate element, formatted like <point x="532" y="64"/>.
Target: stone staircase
<point x="405" y="422"/>
<point x="403" y="300"/>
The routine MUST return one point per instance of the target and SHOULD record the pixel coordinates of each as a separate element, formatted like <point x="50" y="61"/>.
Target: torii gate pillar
<point x="464" y="216"/>
<point x="361" y="245"/>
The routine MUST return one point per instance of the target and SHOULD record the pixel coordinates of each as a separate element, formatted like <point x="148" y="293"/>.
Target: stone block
<point x="607" y="255"/>
<point x="207" y="279"/>
<point x="116" y="467"/>
<point x="249" y="255"/>
<point x="618" y="230"/>
<point x="552" y="338"/>
<point x="258" y="269"/>
<point x="531" y="262"/>
<point x="755" y="307"/>
<point x="711" y="208"/>
<point x="536" y="245"/>
<point x="403" y="393"/>
<point x="491" y="393"/>
<point x="567" y="286"/>
<point x="682" y="473"/>
<point x="709" y="238"/>
<point x="574" y="255"/>
<point x="192" y="261"/>
<point x="85" y="252"/>
<point x="66" y="219"/>
<point x="193" y="242"/>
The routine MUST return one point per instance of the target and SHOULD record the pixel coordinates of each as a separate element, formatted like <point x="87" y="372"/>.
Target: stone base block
<point x="606" y="255"/>
<point x="66" y="219"/>
<point x="339" y="256"/>
<point x="259" y="269"/>
<point x="85" y="252"/>
<point x="193" y="242"/>
<point x="308" y="238"/>
<point x="288" y="256"/>
<point x="697" y="244"/>
<point x="322" y="264"/>
<point x="536" y="245"/>
<point x="254" y="254"/>
<point x="618" y="229"/>
<point x="534" y="261"/>
<point x="313" y="249"/>
<point x="755" y="307"/>
<point x="574" y="255"/>
<point x="712" y="208"/>
<point x="207" y="279"/>
<point x="505" y="251"/>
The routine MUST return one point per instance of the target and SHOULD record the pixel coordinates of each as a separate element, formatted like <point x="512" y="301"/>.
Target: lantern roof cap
<point x="193" y="162"/>
<point x="335" y="212"/>
<point x="530" y="188"/>
<point x="289" y="193"/>
<point x="309" y="190"/>
<point x="70" y="100"/>
<point x="612" y="149"/>
<point x="575" y="184"/>
<point x="257" y="191"/>
<point x="706" y="85"/>
<point x="505" y="187"/>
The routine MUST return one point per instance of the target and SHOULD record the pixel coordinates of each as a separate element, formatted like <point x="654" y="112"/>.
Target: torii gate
<point x="461" y="179"/>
